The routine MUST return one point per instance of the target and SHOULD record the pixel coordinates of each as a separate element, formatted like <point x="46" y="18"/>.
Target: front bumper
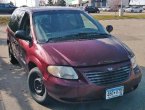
<point x="79" y="91"/>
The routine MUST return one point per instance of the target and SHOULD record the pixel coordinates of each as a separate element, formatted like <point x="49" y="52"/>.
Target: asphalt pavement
<point x="14" y="94"/>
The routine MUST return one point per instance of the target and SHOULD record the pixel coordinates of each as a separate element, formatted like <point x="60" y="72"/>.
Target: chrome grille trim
<point x="109" y="77"/>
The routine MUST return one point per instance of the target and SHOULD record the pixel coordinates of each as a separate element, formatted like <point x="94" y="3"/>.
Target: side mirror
<point x="109" y="28"/>
<point x="21" y="34"/>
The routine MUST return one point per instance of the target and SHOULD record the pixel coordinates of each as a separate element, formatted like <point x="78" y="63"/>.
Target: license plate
<point x="114" y="92"/>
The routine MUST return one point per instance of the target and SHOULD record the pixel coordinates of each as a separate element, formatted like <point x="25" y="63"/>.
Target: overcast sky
<point x="25" y="2"/>
<point x="16" y="2"/>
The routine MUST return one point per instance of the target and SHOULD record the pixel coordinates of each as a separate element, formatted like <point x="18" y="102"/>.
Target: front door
<point x="24" y="46"/>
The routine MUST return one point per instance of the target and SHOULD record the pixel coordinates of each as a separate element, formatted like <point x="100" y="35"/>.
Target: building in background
<point x="137" y="2"/>
<point x="76" y="2"/>
<point x="32" y="3"/>
<point x="99" y="3"/>
<point x="110" y="3"/>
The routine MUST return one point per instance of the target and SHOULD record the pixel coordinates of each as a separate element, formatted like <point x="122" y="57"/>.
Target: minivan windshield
<point x="66" y="25"/>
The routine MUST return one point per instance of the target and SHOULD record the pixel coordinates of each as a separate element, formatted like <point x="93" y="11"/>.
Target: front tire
<point x="36" y="86"/>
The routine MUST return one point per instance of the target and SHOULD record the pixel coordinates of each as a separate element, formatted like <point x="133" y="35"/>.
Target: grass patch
<point x="111" y="17"/>
<point x="4" y="20"/>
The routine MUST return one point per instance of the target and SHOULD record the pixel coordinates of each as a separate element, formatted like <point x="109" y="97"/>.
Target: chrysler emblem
<point x="110" y="69"/>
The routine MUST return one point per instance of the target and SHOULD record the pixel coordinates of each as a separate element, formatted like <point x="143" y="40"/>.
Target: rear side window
<point x="15" y="20"/>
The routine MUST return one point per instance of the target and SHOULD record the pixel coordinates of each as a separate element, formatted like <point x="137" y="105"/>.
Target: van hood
<point x="87" y="52"/>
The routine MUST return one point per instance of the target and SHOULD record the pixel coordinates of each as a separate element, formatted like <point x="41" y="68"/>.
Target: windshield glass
<point x="65" y="25"/>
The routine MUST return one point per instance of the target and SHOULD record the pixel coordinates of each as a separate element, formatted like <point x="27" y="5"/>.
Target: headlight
<point x="62" y="72"/>
<point x="133" y="62"/>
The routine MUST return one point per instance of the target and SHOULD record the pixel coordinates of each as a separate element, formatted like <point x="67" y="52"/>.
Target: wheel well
<point x="31" y="65"/>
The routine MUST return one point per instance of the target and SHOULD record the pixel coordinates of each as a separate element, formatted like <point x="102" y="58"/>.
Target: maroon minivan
<point x="70" y="56"/>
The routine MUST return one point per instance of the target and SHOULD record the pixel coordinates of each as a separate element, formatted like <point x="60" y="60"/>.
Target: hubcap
<point x="38" y="85"/>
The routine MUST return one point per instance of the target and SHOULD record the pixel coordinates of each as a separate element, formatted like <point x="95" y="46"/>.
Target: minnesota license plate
<point x="114" y="92"/>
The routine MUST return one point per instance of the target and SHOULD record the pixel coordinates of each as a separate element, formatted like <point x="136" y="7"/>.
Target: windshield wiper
<point x="79" y="36"/>
<point x="58" y="39"/>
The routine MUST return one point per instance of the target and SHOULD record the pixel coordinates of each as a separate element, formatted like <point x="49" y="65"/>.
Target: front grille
<point x="109" y="77"/>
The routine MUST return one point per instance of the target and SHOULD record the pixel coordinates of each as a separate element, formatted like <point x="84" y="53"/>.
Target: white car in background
<point x="105" y="9"/>
<point x="134" y="9"/>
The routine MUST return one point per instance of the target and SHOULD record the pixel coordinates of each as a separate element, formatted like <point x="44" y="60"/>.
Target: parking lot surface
<point x="14" y="94"/>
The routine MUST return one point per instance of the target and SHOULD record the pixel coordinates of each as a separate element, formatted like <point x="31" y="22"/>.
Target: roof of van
<point x="47" y="8"/>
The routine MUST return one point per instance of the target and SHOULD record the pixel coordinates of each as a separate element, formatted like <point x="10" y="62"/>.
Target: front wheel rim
<point x="36" y="86"/>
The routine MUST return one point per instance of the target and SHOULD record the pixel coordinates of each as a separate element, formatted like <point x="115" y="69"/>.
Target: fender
<point x="37" y="62"/>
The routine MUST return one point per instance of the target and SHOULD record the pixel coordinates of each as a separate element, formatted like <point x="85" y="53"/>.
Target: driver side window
<point x="25" y="24"/>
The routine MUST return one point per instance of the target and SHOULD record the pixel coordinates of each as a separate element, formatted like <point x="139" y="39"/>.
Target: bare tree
<point x="11" y="3"/>
<point x="60" y="3"/>
<point x="114" y="4"/>
<point x="42" y="3"/>
<point x="49" y="3"/>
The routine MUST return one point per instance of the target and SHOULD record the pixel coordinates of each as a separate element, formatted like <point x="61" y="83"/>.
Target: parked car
<point x="7" y="8"/>
<point x="134" y="9"/>
<point x="70" y="56"/>
<point x="24" y="6"/>
<point x="92" y="9"/>
<point x="105" y="9"/>
<point x="125" y="7"/>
